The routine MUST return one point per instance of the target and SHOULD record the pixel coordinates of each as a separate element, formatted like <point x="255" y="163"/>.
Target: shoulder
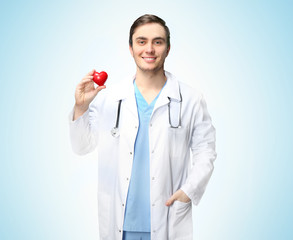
<point x="189" y="93"/>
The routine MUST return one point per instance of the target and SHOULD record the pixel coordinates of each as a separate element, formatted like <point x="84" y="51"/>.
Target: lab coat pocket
<point x="104" y="214"/>
<point x="178" y="139"/>
<point x="180" y="221"/>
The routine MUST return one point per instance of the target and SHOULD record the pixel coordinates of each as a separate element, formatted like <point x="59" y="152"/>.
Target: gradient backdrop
<point x="239" y="53"/>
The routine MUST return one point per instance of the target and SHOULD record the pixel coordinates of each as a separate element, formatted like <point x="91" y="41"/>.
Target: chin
<point x="153" y="69"/>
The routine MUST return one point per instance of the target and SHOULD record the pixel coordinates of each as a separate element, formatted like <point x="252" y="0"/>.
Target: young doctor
<point x="155" y="141"/>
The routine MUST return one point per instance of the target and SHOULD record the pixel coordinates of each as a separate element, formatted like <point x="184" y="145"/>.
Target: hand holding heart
<point x="100" y="78"/>
<point x="85" y="93"/>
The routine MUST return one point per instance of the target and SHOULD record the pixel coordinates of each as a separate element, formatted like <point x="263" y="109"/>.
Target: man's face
<point x="149" y="48"/>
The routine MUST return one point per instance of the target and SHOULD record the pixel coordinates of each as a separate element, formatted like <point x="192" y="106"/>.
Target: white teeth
<point x="149" y="58"/>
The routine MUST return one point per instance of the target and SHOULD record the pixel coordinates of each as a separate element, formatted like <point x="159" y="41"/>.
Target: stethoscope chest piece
<point x="115" y="132"/>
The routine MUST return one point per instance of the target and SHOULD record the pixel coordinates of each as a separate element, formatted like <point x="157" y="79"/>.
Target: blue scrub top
<point x="137" y="213"/>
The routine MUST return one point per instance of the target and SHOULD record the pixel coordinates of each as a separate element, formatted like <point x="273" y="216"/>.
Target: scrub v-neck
<point x="137" y="211"/>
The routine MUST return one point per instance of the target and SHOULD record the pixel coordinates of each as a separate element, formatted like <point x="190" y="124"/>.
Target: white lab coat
<point x="180" y="158"/>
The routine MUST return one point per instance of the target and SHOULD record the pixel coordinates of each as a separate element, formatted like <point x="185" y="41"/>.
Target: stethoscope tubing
<point x="170" y="121"/>
<point x="115" y="130"/>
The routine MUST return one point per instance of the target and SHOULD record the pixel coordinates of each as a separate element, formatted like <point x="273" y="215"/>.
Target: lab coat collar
<point x="126" y="94"/>
<point x="171" y="89"/>
<point x="124" y="90"/>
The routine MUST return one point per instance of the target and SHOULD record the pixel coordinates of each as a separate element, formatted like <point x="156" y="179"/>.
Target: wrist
<point x="79" y="111"/>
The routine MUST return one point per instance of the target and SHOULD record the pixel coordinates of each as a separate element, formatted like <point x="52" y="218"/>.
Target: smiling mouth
<point x="149" y="59"/>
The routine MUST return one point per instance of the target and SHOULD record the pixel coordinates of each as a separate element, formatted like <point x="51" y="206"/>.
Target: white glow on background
<point x="239" y="53"/>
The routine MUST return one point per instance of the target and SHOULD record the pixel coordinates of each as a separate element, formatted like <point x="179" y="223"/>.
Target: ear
<point x="131" y="50"/>
<point x="168" y="50"/>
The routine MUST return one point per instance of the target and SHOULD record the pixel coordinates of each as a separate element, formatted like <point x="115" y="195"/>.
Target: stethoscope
<point x="115" y="130"/>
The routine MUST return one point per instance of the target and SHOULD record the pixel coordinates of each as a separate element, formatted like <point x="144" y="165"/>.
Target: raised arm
<point x="83" y="138"/>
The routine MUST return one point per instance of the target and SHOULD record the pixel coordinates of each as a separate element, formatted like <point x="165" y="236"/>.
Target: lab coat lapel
<point x="171" y="90"/>
<point x="126" y="94"/>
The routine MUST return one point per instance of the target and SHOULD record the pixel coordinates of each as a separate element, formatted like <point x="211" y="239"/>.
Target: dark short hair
<point x="145" y="19"/>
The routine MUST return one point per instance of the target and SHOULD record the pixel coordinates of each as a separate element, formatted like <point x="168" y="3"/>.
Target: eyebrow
<point x="156" y="38"/>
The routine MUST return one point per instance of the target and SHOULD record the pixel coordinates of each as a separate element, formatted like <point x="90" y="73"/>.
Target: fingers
<point x="183" y="197"/>
<point x="87" y="79"/>
<point x="171" y="200"/>
<point x="178" y="195"/>
<point x="91" y="73"/>
<point x="99" y="88"/>
<point x="89" y="76"/>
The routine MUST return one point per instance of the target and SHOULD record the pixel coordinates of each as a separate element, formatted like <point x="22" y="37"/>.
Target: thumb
<point x="170" y="200"/>
<point x="99" y="88"/>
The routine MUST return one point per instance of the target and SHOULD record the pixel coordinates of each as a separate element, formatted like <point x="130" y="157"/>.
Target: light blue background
<point x="239" y="53"/>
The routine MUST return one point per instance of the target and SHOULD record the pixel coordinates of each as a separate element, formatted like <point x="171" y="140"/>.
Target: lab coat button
<point x="153" y="151"/>
<point x="153" y="204"/>
<point x="130" y="153"/>
<point x="120" y="230"/>
<point x="127" y="179"/>
<point x="153" y="178"/>
<point x="151" y="125"/>
<point x="122" y="204"/>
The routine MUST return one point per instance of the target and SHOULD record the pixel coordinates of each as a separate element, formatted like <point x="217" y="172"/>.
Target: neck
<point x="150" y="80"/>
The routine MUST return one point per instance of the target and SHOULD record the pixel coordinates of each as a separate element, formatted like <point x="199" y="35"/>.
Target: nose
<point x="150" y="48"/>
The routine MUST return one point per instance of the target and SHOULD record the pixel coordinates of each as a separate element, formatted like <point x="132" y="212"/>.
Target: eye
<point x="141" y="42"/>
<point x="158" y="42"/>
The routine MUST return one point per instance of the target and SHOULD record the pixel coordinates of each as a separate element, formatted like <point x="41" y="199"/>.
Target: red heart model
<point x="100" y="78"/>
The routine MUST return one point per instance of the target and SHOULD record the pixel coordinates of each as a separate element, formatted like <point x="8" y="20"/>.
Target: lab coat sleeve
<point x="83" y="135"/>
<point x="202" y="147"/>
